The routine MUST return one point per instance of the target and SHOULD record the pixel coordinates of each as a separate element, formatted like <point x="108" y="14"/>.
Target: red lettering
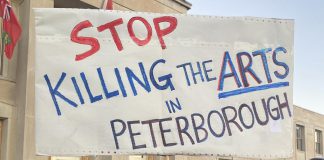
<point x="160" y="33"/>
<point x="93" y="42"/>
<point x="111" y="26"/>
<point x="132" y="34"/>
<point x="95" y="45"/>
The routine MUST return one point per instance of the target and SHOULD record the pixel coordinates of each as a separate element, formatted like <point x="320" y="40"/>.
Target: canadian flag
<point x="108" y="5"/>
<point x="11" y="29"/>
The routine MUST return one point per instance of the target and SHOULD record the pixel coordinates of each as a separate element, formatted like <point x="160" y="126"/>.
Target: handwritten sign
<point x="111" y="82"/>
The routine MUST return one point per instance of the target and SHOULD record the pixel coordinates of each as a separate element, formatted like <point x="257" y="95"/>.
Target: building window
<point x="318" y="142"/>
<point x="300" y="137"/>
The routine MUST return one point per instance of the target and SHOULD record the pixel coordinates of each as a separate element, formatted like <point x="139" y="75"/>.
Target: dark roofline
<point x="184" y="3"/>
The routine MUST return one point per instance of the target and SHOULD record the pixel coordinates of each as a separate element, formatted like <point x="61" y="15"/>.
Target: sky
<point x="308" y="39"/>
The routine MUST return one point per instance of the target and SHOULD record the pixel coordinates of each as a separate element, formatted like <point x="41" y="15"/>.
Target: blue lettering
<point x="120" y="82"/>
<point x="282" y="64"/>
<point x="262" y="53"/>
<point x="185" y="71"/>
<point x="86" y="85"/>
<point x="243" y="69"/>
<point x="104" y="87"/>
<point x="227" y="60"/>
<point x="54" y="92"/>
<point x="77" y="89"/>
<point x="131" y="76"/>
<point x="167" y="78"/>
<point x="206" y="70"/>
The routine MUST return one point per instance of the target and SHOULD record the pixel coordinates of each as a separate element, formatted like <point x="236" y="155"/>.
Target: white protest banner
<point x="111" y="82"/>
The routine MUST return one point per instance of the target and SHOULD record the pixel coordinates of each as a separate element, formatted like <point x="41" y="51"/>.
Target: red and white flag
<point x="108" y="5"/>
<point x="11" y="29"/>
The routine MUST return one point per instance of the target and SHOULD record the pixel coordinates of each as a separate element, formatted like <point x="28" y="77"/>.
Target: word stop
<point x="111" y="26"/>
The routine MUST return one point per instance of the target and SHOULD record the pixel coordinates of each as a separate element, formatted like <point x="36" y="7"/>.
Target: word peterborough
<point x="197" y="127"/>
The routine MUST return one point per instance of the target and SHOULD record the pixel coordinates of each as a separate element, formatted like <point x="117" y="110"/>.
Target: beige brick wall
<point x="157" y="6"/>
<point x="311" y="121"/>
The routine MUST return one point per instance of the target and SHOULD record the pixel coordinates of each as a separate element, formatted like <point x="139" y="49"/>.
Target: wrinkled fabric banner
<point x="112" y="82"/>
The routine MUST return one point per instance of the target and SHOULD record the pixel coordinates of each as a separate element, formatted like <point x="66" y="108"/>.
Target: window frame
<point x="318" y="140"/>
<point x="300" y="137"/>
